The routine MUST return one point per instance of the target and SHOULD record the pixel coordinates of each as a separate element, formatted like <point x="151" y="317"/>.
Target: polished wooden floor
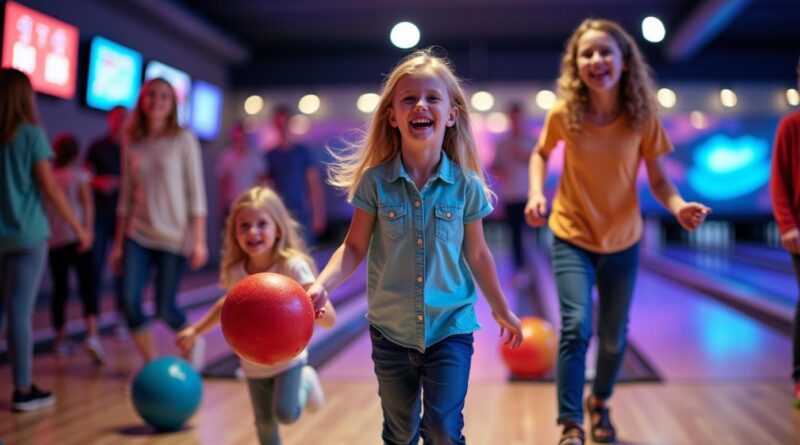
<point x="94" y="407"/>
<point x="724" y="382"/>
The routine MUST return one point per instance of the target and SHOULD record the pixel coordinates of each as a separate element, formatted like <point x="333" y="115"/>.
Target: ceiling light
<point x="404" y="35"/>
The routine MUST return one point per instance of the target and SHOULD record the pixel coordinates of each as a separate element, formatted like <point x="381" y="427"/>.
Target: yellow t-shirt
<point x="596" y="206"/>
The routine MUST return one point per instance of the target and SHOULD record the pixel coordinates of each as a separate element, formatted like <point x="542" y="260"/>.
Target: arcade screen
<point x="115" y="73"/>
<point x="43" y="47"/>
<point x="206" y="110"/>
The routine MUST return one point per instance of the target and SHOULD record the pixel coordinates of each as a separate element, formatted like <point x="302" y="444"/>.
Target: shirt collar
<point x="443" y="172"/>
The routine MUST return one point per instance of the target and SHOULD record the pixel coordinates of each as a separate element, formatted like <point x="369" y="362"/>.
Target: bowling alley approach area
<point x="699" y="369"/>
<point x="351" y="222"/>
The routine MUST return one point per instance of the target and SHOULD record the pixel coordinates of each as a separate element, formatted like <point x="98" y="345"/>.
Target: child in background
<point x="64" y="253"/>
<point x="261" y="236"/>
<point x="420" y="196"/>
<point x="608" y="120"/>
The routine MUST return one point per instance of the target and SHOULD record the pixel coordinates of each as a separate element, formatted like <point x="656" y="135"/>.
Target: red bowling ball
<point x="267" y="318"/>
<point x="537" y="354"/>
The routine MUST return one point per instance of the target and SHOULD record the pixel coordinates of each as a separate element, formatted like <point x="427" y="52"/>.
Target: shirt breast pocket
<point x="449" y="225"/>
<point x="393" y="220"/>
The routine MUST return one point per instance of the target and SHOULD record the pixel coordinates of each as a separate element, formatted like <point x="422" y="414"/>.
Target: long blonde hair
<point x="137" y="127"/>
<point x="16" y="103"/>
<point x="382" y="141"/>
<point x="289" y="242"/>
<point x="637" y="91"/>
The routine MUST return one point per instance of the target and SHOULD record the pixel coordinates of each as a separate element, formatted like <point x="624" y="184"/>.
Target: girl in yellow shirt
<point x="607" y="120"/>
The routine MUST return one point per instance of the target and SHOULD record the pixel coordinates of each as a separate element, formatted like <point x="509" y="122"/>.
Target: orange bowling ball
<point x="537" y="354"/>
<point x="267" y="318"/>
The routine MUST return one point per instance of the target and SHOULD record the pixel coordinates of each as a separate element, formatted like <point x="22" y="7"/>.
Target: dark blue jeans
<point x="576" y="272"/>
<point x="796" y="327"/>
<point x="441" y="373"/>
<point x="61" y="259"/>
<point x="138" y="260"/>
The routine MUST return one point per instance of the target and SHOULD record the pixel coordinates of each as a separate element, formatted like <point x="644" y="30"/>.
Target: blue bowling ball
<point x="166" y="392"/>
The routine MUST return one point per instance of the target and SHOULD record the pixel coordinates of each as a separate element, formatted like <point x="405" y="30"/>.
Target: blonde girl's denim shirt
<point x="419" y="288"/>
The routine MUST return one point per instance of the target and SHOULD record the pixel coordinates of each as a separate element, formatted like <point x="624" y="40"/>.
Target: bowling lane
<point x="771" y="284"/>
<point x="687" y="335"/>
<point x="761" y="254"/>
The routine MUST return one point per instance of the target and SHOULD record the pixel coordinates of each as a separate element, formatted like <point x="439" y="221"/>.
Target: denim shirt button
<point x="419" y="317"/>
<point x="391" y="214"/>
<point x="419" y="241"/>
<point x="417" y="203"/>
<point x="448" y="214"/>
<point x="419" y="279"/>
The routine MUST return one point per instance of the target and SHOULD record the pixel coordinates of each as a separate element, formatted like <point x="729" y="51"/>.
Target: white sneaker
<point x="95" y="350"/>
<point x="316" y="396"/>
<point x="197" y="356"/>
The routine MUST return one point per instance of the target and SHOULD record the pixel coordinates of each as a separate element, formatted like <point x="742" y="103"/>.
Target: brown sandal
<point x="572" y="435"/>
<point x="600" y="417"/>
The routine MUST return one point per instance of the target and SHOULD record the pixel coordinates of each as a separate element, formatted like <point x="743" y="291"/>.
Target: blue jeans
<point x="20" y="275"/>
<point x="441" y="373"/>
<point x="276" y="400"/>
<point x="576" y="271"/>
<point x="796" y="326"/>
<point x="169" y="270"/>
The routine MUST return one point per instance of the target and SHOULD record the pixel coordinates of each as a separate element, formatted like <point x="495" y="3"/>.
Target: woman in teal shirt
<point x="25" y="176"/>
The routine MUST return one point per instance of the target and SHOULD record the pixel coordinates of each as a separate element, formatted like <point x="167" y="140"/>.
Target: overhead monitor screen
<point x="115" y="74"/>
<point x="206" y="110"/>
<point x="44" y="48"/>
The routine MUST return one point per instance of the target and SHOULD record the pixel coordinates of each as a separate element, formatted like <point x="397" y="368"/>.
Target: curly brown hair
<point x="637" y="91"/>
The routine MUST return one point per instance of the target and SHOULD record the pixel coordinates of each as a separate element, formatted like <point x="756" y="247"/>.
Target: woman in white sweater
<point x="161" y="213"/>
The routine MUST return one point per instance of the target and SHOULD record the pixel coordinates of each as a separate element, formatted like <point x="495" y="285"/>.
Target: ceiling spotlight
<point x="728" y="98"/>
<point x="253" y="104"/>
<point x="308" y="104"/>
<point x="653" y="29"/>
<point x="404" y="35"/>
<point x="482" y="101"/>
<point x="666" y="97"/>
<point x="545" y="99"/>
<point x="367" y="102"/>
<point x="793" y="97"/>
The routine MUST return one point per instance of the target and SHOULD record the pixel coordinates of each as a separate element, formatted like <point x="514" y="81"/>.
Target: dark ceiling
<point x="346" y="41"/>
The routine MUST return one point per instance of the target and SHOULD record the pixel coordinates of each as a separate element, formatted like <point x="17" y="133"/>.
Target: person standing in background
<point x="238" y="169"/>
<point x="103" y="161"/>
<point x="26" y="176"/>
<point x="785" y="189"/>
<point x="64" y="253"/>
<point x="161" y="214"/>
<point x="292" y="173"/>
<point x="510" y="166"/>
